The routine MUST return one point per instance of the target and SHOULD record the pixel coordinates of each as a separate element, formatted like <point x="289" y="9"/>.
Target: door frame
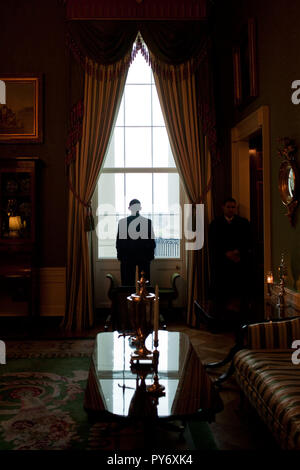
<point x="240" y="133"/>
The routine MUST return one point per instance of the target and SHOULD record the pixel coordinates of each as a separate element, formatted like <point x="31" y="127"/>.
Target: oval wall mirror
<point x="288" y="184"/>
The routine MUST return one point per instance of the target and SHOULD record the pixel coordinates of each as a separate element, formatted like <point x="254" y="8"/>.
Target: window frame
<point x="121" y="123"/>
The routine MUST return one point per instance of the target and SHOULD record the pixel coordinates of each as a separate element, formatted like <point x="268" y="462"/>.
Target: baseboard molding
<point x="52" y="291"/>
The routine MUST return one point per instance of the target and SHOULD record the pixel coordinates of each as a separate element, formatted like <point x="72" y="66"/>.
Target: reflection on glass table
<point x="113" y="387"/>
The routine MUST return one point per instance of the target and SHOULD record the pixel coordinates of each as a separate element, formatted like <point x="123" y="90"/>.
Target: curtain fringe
<point x="110" y="71"/>
<point x="166" y="70"/>
<point x="75" y="132"/>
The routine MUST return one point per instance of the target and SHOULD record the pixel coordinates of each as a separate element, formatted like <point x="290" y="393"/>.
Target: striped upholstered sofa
<point x="266" y="374"/>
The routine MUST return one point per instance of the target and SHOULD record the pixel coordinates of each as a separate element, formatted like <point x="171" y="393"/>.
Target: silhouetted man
<point x="135" y="244"/>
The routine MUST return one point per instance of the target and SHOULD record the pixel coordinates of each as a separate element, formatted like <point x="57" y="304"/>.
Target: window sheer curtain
<point x="108" y="45"/>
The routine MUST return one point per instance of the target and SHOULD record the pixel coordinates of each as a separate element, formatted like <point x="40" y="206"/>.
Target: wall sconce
<point x="15" y="225"/>
<point x="270" y="284"/>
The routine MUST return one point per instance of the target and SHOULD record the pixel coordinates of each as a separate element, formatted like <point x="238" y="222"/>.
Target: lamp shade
<point x="15" y="223"/>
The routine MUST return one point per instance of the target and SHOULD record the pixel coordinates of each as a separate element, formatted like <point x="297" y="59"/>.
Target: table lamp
<point x="15" y="225"/>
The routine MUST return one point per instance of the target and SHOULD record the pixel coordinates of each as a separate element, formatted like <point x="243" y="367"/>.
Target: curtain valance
<point x="105" y="42"/>
<point x="170" y="43"/>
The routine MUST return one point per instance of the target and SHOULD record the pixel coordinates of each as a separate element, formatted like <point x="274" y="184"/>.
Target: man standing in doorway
<point x="135" y="244"/>
<point x="230" y="250"/>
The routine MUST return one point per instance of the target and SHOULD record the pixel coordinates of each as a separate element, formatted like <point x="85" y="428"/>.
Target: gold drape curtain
<point x="178" y="52"/>
<point x="103" y="89"/>
<point x="176" y="86"/>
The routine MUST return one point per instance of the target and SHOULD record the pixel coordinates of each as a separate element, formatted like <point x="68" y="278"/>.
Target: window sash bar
<point x="140" y="170"/>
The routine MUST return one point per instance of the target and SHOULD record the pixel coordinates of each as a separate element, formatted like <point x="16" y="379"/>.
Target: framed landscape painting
<point x="20" y="108"/>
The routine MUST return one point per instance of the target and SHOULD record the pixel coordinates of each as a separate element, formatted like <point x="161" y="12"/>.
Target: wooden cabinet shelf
<point x="18" y="292"/>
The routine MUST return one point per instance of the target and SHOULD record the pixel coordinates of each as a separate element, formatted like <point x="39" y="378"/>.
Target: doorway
<point x="257" y="221"/>
<point x="250" y="140"/>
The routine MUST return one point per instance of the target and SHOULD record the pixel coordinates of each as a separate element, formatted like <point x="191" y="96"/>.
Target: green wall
<point x="278" y="39"/>
<point x="32" y="41"/>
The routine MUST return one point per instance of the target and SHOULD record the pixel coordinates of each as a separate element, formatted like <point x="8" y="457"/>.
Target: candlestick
<point x="156" y="316"/>
<point x="281" y="268"/>
<point x="282" y="274"/>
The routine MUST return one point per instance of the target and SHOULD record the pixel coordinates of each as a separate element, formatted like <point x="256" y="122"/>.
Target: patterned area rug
<point x="41" y="404"/>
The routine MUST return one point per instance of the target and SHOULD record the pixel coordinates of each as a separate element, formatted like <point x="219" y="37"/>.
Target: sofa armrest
<point x="278" y="334"/>
<point x="112" y="285"/>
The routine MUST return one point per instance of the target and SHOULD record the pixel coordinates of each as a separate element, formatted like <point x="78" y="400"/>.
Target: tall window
<point x="139" y="165"/>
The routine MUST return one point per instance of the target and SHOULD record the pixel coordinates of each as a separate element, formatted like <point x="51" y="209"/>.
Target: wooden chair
<point x="168" y="294"/>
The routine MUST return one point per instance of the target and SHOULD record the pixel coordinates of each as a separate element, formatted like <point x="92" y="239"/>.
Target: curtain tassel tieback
<point x="89" y="225"/>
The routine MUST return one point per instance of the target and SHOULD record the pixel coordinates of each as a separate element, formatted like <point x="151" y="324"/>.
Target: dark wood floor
<point x="235" y="428"/>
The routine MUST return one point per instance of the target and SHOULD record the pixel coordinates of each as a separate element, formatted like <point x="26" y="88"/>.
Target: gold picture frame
<point x="245" y="65"/>
<point x="20" y="108"/>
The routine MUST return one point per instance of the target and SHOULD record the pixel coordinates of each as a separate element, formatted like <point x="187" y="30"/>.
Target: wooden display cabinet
<point x="18" y="292"/>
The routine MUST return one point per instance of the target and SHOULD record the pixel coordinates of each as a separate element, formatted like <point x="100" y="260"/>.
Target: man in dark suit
<point x="135" y="244"/>
<point x="230" y="250"/>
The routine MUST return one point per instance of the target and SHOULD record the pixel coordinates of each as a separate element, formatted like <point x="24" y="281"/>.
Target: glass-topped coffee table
<point x="117" y="392"/>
